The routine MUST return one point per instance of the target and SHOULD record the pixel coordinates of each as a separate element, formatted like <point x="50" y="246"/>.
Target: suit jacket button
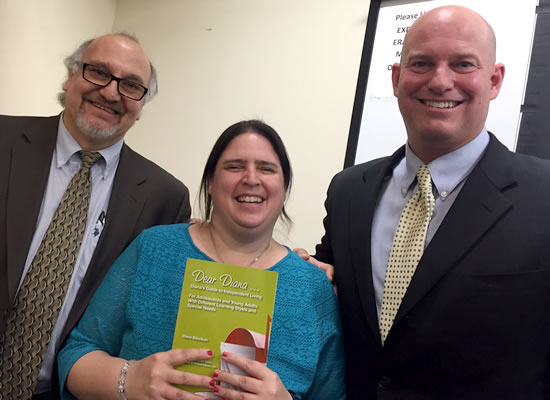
<point x="384" y="382"/>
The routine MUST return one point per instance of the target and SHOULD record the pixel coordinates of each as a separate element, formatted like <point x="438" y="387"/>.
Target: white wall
<point x="293" y="63"/>
<point x="35" y="36"/>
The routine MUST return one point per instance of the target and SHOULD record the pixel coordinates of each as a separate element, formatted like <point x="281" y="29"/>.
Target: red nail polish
<point x="216" y="389"/>
<point x="210" y="352"/>
<point x="212" y="382"/>
<point x="224" y="354"/>
<point x="215" y="374"/>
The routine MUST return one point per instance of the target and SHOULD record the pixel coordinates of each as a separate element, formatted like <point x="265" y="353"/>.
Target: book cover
<point x="224" y="308"/>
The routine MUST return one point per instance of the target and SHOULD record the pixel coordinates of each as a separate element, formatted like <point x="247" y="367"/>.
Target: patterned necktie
<point x="407" y="248"/>
<point x="37" y="305"/>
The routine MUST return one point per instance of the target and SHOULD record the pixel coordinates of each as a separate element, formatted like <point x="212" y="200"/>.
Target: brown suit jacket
<point x="143" y="195"/>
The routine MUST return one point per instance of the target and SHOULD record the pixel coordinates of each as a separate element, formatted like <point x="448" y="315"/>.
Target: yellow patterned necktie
<point x="37" y="305"/>
<point x="407" y="248"/>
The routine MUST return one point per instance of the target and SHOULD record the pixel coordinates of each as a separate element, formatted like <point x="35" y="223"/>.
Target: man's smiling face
<point x="96" y="116"/>
<point x="446" y="80"/>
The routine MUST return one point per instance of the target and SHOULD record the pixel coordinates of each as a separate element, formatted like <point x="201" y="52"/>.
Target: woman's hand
<point x="262" y="383"/>
<point x="154" y="377"/>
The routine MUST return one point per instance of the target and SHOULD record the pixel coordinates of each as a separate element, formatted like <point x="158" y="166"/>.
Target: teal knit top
<point x="133" y="314"/>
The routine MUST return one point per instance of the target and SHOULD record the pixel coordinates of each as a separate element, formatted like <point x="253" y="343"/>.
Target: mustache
<point x="116" y="106"/>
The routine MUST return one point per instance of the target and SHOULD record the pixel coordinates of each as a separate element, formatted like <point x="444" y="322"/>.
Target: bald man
<point x="109" y="80"/>
<point x="472" y="319"/>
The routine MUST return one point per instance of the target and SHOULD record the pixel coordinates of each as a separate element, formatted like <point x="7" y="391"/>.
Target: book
<point x="224" y="307"/>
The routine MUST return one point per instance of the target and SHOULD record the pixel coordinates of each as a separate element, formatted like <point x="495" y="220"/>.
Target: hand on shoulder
<point x="328" y="268"/>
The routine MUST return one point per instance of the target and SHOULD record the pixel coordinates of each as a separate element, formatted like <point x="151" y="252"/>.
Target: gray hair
<point x="73" y="62"/>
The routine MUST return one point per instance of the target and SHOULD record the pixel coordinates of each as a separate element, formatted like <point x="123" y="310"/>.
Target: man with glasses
<point x="109" y="80"/>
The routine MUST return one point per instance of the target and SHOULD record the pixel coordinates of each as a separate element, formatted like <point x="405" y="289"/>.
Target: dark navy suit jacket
<point x="475" y="321"/>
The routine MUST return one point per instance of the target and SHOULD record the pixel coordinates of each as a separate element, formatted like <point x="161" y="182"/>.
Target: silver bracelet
<point x="122" y="379"/>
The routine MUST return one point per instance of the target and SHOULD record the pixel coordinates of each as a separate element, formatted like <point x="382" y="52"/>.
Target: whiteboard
<point x="382" y="130"/>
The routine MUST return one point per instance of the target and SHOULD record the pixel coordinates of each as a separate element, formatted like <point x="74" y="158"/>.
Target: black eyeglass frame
<point x="113" y="78"/>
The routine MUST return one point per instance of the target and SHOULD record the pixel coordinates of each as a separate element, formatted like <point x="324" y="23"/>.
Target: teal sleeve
<point x="329" y="380"/>
<point x="306" y="348"/>
<point x="104" y="322"/>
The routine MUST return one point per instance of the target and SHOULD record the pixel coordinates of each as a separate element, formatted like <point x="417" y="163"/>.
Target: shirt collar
<point x="446" y="171"/>
<point x="66" y="146"/>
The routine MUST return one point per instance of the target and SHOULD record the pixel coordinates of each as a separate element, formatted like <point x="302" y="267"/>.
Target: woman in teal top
<point x="133" y="314"/>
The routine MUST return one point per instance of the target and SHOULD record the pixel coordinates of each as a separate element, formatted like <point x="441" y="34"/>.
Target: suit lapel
<point x="125" y="205"/>
<point x="361" y="212"/>
<point x="31" y="160"/>
<point x="477" y="208"/>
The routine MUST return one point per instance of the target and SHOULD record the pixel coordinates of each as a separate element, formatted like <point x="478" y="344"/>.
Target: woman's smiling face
<point x="247" y="188"/>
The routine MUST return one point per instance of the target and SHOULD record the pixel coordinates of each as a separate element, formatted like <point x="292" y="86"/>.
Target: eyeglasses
<point x="101" y="77"/>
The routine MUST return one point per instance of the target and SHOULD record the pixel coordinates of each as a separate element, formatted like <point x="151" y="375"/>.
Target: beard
<point x="95" y="132"/>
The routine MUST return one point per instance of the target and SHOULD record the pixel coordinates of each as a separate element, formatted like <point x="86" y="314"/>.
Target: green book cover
<point x="224" y="308"/>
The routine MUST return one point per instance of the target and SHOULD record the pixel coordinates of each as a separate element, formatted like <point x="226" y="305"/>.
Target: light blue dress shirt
<point x="65" y="163"/>
<point x="449" y="172"/>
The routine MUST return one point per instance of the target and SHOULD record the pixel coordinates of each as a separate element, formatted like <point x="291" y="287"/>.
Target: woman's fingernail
<point x="216" y="389"/>
<point x="224" y="354"/>
<point x="210" y="353"/>
<point x="215" y="374"/>
<point x="212" y="382"/>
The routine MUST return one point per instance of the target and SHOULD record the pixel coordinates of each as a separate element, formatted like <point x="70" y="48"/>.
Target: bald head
<point x="446" y="14"/>
<point x="446" y="79"/>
